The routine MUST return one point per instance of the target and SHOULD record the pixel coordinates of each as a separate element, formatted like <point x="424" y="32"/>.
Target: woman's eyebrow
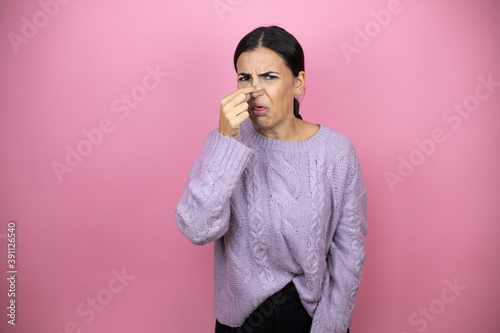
<point x="268" y="73"/>
<point x="263" y="74"/>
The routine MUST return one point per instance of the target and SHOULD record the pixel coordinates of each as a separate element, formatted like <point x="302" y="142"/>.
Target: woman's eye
<point x="270" y="77"/>
<point x="244" y="78"/>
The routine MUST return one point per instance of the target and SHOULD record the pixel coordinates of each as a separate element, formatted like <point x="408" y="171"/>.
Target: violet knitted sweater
<point x="279" y="211"/>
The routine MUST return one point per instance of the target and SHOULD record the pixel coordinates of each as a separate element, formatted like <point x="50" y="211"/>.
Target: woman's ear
<point x="300" y="82"/>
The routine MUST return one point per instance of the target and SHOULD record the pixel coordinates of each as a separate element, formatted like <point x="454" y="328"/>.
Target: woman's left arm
<point x="346" y="254"/>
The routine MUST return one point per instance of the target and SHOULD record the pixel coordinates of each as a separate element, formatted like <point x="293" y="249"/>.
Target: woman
<point x="283" y="200"/>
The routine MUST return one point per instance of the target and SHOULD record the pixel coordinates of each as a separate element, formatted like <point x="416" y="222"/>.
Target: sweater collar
<point x="301" y="146"/>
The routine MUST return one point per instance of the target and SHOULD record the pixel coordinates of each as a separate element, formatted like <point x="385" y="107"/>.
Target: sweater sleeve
<point x="203" y="211"/>
<point x="346" y="254"/>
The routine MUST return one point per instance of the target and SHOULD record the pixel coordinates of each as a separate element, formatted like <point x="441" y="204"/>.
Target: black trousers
<point x="283" y="312"/>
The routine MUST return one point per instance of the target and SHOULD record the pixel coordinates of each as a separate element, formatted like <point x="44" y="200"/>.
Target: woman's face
<point x="271" y="108"/>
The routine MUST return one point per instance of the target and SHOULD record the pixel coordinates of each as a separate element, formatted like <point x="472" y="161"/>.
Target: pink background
<point x="114" y="212"/>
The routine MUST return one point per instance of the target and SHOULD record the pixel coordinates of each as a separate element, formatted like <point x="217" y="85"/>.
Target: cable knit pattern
<point x="279" y="211"/>
<point x="315" y="233"/>
<point x="257" y="232"/>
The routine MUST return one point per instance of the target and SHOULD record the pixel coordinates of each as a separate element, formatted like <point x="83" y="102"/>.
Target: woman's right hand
<point x="234" y="110"/>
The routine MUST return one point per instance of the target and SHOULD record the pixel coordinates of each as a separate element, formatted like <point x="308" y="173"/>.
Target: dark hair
<point x="280" y="41"/>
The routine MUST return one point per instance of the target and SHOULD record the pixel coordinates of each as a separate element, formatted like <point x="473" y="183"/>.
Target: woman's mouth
<point x="259" y="109"/>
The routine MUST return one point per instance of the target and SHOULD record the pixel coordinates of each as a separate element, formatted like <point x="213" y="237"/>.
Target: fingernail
<point x="258" y="88"/>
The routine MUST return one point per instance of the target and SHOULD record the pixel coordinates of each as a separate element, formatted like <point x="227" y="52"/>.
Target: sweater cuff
<point x="227" y="155"/>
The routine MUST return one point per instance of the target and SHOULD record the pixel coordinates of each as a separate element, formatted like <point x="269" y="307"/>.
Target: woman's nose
<point x="258" y="93"/>
<point x="255" y="81"/>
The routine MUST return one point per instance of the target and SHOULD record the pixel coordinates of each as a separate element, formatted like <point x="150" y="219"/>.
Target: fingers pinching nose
<point x="258" y="92"/>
